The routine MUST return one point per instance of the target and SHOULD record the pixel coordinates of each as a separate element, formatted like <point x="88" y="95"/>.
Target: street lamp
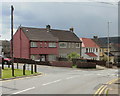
<point x="108" y="40"/>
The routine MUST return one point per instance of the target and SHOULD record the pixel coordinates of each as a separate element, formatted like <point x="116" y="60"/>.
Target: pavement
<point x="114" y="88"/>
<point x="60" y="80"/>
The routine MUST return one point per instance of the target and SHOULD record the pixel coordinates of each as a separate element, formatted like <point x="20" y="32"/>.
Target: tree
<point x="73" y="55"/>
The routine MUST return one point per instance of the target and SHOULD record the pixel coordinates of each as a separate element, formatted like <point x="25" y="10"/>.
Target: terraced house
<point x="45" y="44"/>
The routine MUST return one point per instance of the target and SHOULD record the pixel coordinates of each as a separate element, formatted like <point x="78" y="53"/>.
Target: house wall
<point x="43" y="49"/>
<point x="69" y="49"/>
<point x="0" y="47"/>
<point x="87" y="57"/>
<point x="0" y="50"/>
<point x="20" y="45"/>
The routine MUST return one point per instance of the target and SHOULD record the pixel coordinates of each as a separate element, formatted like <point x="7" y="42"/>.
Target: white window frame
<point x="41" y="45"/>
<point x="62" y="46"/>
<point x="73" y="45"/>
<point x="69" y="45"/>
<point x="77" y="45"/>
<point x="45" y="45"/>
<point x="33" y="44"/>
<point x="52" y="45"/>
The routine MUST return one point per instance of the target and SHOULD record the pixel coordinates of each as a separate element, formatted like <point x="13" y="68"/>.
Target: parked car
<point x="7" y="61"/>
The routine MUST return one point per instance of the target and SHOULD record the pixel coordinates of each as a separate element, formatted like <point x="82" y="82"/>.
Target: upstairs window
<point x="40" y="44"/>
<point x="77" y="45"/>
<point x="63" y="45"/>
<point x="33" y="44"/>
<point x="52" y="45"/>
<point x="86" y="50"/>
<point x="73" y="45"/>
<point x="45" y="45"/>
<point x="96" y="49"/>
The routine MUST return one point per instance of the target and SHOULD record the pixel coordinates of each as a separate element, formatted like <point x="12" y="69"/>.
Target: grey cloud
<point x="88" y="19"/>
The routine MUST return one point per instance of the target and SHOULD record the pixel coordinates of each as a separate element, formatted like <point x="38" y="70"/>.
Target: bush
<point x="73" y="55"/>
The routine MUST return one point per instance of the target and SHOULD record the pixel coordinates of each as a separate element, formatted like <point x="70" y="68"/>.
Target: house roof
<point x="41" y="34"/>
<point x="38" y="34"/>
<point x="103" y="42"/>
<point x="87" y="42"/>
<point x="91" y="54"/>
<point x="110" y="54"/>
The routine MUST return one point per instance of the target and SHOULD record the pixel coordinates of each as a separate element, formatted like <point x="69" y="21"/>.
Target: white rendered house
<point x="90" y="50"/>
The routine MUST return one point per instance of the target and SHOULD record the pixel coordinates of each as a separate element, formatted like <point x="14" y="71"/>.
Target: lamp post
<point x="108" y="40"/>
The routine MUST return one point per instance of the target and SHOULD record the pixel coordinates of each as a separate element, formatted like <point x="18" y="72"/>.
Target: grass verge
<point x="7" y="73"/>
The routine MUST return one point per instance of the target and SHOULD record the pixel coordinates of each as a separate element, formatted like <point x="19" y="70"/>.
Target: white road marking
<point x="69" y="77"/>
<point x="24" y="90"/>
<point x="99" y="74"/>
<point x="51" y="82"/>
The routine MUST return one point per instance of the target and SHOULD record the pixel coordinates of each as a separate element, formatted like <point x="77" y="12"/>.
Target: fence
<point x="61" y="64"/>
<point x="30" y="61"/>
<point x="85" y="64"/>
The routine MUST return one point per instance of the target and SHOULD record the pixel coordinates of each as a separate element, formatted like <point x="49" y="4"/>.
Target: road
<point x="56" y="80"/>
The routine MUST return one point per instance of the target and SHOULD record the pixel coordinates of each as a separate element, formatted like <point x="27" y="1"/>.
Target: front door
<point x="42" y="57"/>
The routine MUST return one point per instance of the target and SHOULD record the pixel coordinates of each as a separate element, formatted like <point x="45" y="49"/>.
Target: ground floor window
<point x="63" y="55"/>
<point x="34" y="57"/>
<point x="51" y="57"/>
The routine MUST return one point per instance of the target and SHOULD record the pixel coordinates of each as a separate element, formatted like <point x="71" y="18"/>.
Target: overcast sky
<point x="87" y="18"/>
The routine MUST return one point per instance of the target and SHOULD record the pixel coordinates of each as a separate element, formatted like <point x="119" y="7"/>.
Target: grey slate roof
<point x="103" y="42"/>
<point x="38" y="34"/>
<point x="41" y="34"/>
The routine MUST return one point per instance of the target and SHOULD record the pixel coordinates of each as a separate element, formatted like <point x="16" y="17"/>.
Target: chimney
<point x="48" y="28"/>
<point x="95" y="37"/>
<point x="71" y="29"/>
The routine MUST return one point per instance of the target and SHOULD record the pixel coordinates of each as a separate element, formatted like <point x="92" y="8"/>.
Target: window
<point x="86" y="50"/>
<point x="77" y="45"/>
<point x="45" y="45"/>
<point x="32" y="57"/>
<point x="89" y="49"/>
<point x="96" y="49"/>
<point x="35" y="57"/>
<point x="40" y="44"/>
<point x="63" y="45"/>
<point x="33" y="44"/>
<point x="63" y="55"/>
<point x="69" y="45"/>
<point x="53" y="45"/>
<point x="93" y="50"/>
<point x="51" y="57"/>
<point x="73" y="45"/>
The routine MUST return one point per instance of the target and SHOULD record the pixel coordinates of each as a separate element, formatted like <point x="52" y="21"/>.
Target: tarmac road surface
<point x="59" y="80"/>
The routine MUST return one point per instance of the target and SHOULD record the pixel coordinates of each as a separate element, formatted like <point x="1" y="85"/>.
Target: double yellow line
<point x="103" y="87"/>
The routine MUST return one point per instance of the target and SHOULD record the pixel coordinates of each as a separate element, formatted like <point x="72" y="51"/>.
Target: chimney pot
<point x="71" y="29"/>
<point x="48" y="28"/>
<point x="95" y="37"/>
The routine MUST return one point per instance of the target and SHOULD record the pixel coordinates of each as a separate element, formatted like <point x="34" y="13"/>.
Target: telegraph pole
<point x="108" y="41"/>
<point x="12" y="9"/>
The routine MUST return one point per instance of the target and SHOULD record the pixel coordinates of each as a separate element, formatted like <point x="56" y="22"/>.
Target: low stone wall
<point x="86" y="65"/>
<point x="101" y="63"/>
<point x="61" y="64"/>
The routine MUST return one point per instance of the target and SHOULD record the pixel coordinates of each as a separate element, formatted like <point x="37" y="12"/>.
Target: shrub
<point x="73" y="55"/>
